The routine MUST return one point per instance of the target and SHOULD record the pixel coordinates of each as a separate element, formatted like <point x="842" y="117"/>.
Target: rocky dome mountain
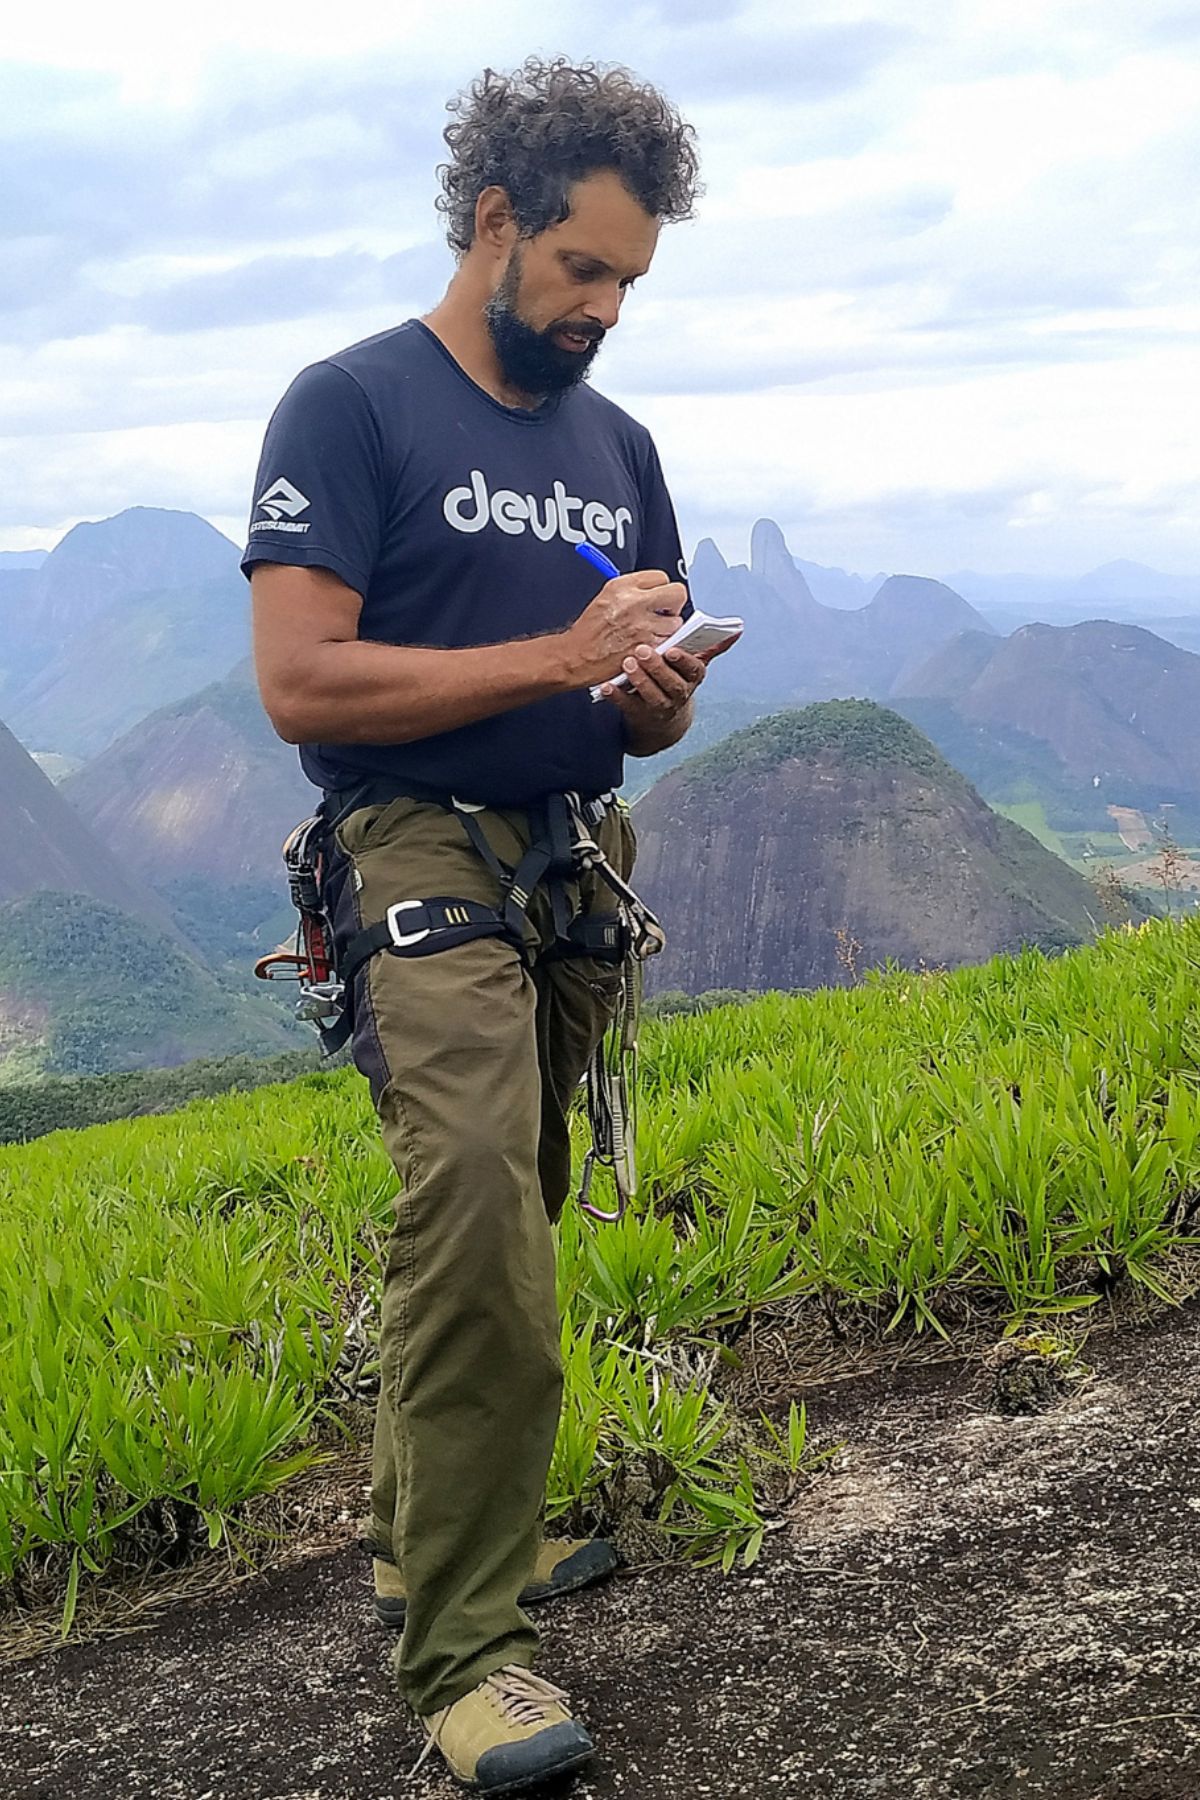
<point x="122" y="616"/>
<point x="47" y="844"/>
<point x="198" y="798"/>
<point x="839" y="818"/>
<point x="795" y="648"/>
<point x="1111" y="700"/>
<point x="910" y="616"/>
<point x="141" y="550"/>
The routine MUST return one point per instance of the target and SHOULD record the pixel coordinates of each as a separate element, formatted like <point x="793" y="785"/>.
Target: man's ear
<point x="495" y="221"/>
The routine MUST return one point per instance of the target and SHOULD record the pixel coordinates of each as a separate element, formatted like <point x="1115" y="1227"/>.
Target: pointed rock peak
<point x="771" y="560"/>
<point x="708" y="557"/>
<point x="707" y="564"/>
<point x="766" y="545"/>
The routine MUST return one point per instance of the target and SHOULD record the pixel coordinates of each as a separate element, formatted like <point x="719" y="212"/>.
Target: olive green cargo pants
<point x="473" y="1060"/>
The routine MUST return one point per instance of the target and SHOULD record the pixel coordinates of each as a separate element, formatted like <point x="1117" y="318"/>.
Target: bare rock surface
<point x="966" y="1604"/>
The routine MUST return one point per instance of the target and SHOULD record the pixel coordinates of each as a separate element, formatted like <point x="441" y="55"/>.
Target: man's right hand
<point x="641" y="608"/>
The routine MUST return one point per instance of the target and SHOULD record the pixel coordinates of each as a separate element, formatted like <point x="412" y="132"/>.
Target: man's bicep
<point x="296" y="612"/>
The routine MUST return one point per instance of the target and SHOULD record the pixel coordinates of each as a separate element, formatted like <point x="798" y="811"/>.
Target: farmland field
<point x="182" y="1298"/>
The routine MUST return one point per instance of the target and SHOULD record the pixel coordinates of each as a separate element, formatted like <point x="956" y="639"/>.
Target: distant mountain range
<point x="1117" y="707"/>
<point x="1127" y="584"/>
<point x="119" y="618"/>
<point x="826" y="840"/>
<point x="124" y="665"/>
<point x="795" y="648"/>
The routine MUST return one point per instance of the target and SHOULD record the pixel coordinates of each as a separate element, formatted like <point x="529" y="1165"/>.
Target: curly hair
<point x="540" y="129"/>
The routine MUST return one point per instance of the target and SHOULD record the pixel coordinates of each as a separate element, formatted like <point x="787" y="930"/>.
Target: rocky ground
<point x="966" y="1604"/>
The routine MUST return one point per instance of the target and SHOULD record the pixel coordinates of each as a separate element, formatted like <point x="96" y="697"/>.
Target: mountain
<point x="204" y="783"/>
<point x="1127" y="584"/>
<point x="907" y="618"/>
<point x="1178" y="628"/>
<point x="47" y="845"/>
<point x="797" y="649"/>
<point x="22" y="559"/>
<point x="87" y="990"/>
<point x="1135" y="583"/>
<point x="122" y="616"/>
<point x="21" y="651"/>
<point x="145" y="549"/>
<point x="198" y="798"/>
<point x="834" y="587"/>
<point x="1118" y="706"/>
<point x="839" y="818"/>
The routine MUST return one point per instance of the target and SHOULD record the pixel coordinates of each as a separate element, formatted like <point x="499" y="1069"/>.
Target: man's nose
<point x="605" y="309"/>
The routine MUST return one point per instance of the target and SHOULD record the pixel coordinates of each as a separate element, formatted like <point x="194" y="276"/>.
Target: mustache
<point x="593" y="333"/>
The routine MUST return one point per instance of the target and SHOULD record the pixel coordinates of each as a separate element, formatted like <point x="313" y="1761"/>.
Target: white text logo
<point x="472" y="508"/>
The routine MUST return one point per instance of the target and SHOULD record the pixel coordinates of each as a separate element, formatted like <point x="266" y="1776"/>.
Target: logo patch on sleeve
<point x="280" y="498"/>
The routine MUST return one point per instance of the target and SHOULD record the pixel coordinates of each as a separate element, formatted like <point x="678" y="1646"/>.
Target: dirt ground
<point x="964" y="1605"/>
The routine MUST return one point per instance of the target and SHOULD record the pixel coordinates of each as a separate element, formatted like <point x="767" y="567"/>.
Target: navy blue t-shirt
<point x="455" y="518"/>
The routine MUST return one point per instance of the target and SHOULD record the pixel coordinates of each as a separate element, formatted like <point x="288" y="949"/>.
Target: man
<point x="426" y="634"/>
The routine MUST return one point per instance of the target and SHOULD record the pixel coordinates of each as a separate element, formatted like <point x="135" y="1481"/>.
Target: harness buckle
<point x="402" y="939"/>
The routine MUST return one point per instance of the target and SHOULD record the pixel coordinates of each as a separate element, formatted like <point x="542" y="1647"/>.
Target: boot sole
<point x="523" y="1783"/>
<point x="390" y="1612"/>
<point x="564" y="1765"/>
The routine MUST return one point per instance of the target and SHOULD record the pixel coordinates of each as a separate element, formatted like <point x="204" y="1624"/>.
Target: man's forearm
<point x="647" y="737"/>
<point x="362" y="692"/>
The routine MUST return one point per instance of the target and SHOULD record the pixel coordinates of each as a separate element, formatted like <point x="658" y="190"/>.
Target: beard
<point x="530" y="360"/>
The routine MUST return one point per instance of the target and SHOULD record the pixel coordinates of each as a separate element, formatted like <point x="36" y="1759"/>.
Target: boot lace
<point x="523" y="1696"/>
<point x="519" y="1695"/>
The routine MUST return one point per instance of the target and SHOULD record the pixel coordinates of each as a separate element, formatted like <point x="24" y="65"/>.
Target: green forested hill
<point x="85" y="990"/>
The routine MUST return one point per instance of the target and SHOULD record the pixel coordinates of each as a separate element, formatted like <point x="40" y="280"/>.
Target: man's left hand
<point x="656" y="705"/>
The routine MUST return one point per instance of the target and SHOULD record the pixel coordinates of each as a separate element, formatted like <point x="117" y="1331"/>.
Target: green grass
<point x="1012" y="1140"/>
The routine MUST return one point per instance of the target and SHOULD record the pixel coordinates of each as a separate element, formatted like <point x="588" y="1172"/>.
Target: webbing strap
<point x="422" y="928"/>
<point x="479" y="839"/>
<point x="602" y="936"/>
<point x="550" y="858"/>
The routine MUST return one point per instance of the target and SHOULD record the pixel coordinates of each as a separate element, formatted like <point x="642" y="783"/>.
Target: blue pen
<point x="598" y="559"/>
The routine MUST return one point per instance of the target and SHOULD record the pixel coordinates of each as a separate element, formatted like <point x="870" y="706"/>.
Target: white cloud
<point x="939" y="297"/>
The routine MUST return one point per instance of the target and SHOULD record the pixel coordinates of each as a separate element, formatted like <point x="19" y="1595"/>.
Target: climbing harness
<point x="563" y="847"/>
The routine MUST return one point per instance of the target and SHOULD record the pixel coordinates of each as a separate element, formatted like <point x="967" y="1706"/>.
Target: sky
<point x="937" y="310"/>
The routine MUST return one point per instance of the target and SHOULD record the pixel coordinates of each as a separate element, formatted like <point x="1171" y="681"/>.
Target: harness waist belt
<point x="379" y="790"/>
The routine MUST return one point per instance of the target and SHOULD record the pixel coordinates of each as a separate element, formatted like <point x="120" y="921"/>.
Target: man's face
<point x="561" y="291"/>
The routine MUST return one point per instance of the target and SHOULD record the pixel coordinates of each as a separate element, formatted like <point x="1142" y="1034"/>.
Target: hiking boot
<point x="512" y="1730"/>
<point x="563" y="1565"/>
